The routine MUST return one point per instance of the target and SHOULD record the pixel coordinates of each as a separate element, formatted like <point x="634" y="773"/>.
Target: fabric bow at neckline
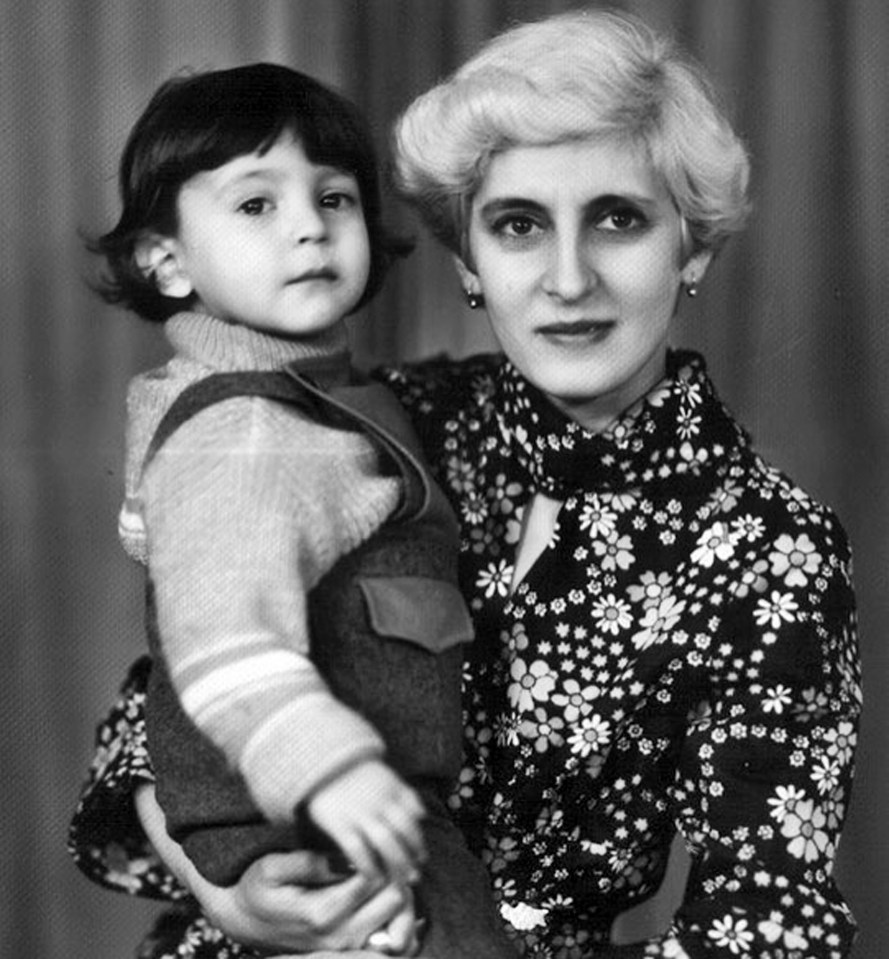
<point x="668" y="438"/>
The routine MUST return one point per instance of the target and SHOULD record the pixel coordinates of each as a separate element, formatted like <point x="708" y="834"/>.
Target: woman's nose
<point x="571" y="274"/>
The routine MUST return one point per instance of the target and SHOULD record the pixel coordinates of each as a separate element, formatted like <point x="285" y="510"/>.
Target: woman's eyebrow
<point x="506" y="204"/>
<point x="616" y="199"/>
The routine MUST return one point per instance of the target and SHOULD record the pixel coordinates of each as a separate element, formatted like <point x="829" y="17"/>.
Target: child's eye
<point x="255" y="206"/>
<point x="338" y="200"/>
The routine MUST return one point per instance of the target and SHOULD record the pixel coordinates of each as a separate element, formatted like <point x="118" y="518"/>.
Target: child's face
<point x="274" y="242"/>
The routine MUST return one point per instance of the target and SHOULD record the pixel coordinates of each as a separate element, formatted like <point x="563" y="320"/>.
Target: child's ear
<point x="158" y="258"/>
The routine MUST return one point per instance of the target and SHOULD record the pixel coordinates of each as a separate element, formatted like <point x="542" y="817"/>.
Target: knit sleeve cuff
<point x="303" y="745"/>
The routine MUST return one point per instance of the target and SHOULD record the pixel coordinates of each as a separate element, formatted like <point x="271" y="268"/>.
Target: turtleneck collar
<point x="665" y="438"/>
<point x="230" y="347"/>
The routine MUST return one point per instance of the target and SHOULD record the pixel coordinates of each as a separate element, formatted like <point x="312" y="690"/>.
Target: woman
<point x="665" y="624"/>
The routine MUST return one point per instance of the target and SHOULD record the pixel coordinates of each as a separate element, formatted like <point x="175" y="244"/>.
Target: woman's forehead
<point x="577" y="170"/>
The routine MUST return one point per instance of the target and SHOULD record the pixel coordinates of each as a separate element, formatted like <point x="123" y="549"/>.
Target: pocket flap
<point x="428" y="612"/>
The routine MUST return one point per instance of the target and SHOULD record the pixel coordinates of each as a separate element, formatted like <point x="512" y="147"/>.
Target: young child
<point x="303" y="612"/>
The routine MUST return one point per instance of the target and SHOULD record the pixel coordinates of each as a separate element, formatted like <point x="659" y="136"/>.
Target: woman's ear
<point x="159" y="259"/>
<point x="696" y="268"/>
<point x="469" y="280"/>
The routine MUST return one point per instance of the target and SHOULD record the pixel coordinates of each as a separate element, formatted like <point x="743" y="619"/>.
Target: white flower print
<point x="795" y="559"/>
<point x="575" y="700"/>
<point x="803" y="827"/>
<point x="495" y="579"/>
<point x="650" y="589"/>
<point x="732" y="933"/>
<point x="689" y="392"/>
<point x="459" y="473"/>
<point x="772" y="929"/>
<point x="616" y="552"/>
<point x="841" y="741"/>
<point x="474" y="509"/>
<point x="777" y="609"/>
<point x="658" y="621"/>
<point x="506" y="729"/>
<point x="688" y="425"/>
<point x="749" y="527"/>
<point x="826" y="774"/>
<point x="599" y="632"/>
<point x="543" y="730"/>
<point x="622" y="502"/>
<point x="776" y="699"/>
<point x="718" y="542"/>
<point x="752" y="578"/>
<point x="530" y="683"/>
<point x="595" y="517"/>
<point x="612" y="614"/>
<point x="785" y="800"/>
<point x="501" y="494"/>
<point x="592" y="734"/>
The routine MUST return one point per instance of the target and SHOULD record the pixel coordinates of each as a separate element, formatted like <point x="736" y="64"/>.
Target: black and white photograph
<point x="444" y="479"/>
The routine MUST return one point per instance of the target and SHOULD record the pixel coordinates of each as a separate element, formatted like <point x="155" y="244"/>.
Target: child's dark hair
<point x="200" y="122"/>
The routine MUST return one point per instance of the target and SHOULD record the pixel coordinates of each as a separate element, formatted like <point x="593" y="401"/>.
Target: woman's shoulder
<point x="759" y="490"/>
<point x="442" y="386"/>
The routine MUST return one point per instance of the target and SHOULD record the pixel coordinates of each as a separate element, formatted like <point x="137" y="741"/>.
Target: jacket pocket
<point x="417" y="609"/>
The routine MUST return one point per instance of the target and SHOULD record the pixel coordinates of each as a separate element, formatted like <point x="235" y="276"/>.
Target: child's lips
<point x="319" y="273"/>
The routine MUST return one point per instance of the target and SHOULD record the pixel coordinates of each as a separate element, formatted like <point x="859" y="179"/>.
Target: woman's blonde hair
<point x="574" y="76"/>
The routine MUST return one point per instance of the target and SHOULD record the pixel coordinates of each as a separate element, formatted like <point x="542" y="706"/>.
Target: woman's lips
<point x="577" y="329"/>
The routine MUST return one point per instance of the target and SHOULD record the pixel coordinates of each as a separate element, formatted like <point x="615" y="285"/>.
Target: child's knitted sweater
<point x="238" y="516"/>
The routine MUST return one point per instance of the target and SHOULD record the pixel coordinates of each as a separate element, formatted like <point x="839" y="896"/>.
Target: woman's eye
<point x="255" y="206"/>
<point x="516" y="226"/>
<point x="621" y="219"/>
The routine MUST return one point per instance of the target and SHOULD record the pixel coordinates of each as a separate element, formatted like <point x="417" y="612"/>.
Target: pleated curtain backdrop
<point x="792" y="319"/>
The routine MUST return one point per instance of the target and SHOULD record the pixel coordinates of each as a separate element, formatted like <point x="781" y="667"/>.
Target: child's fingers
<point x="360" y="848"/>
<point x="406" y="819"/>
<point x="399" y="856"/>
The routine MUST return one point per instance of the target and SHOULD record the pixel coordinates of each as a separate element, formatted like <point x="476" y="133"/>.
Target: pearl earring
<point x="475" y="300"/>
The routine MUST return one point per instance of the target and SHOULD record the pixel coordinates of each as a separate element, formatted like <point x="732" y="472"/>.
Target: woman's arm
<point x="117" y="825"/>
<point x="763" y="782"/>
<point x="291" y="902"/>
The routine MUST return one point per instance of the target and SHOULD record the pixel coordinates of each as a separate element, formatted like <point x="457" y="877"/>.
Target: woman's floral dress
<point x="681" y="656"/>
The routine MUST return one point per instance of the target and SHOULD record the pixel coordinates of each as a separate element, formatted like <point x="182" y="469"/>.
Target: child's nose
<point x="308" y="225"/>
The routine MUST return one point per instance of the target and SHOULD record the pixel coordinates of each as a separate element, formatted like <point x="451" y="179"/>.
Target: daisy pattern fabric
<point x="682" y="656"/>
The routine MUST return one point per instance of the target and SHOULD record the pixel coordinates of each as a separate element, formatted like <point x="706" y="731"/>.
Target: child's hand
<point x="374" y="818"/>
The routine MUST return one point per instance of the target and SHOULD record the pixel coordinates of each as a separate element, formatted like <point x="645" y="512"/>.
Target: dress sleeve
<point x="106" y="839"/>
<point x="763" y="782"/>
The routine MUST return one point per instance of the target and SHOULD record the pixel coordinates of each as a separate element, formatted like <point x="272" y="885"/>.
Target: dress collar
<point x="675" y="436"/>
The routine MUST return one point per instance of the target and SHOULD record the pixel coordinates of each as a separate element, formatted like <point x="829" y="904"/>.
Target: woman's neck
<point x="598" y="413"/>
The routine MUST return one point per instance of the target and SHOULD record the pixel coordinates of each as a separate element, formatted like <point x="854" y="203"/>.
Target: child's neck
<point x="231" y="346"/>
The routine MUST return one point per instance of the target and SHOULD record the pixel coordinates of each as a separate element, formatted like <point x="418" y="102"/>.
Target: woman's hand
<point x="287" y="902"/>
<point x="290" y="901"/>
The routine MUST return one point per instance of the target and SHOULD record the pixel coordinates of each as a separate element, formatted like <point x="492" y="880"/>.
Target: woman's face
<point x="577" y="248"/>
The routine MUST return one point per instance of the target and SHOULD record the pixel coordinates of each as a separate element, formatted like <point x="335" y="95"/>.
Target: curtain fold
<point x="792" y="319"/>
